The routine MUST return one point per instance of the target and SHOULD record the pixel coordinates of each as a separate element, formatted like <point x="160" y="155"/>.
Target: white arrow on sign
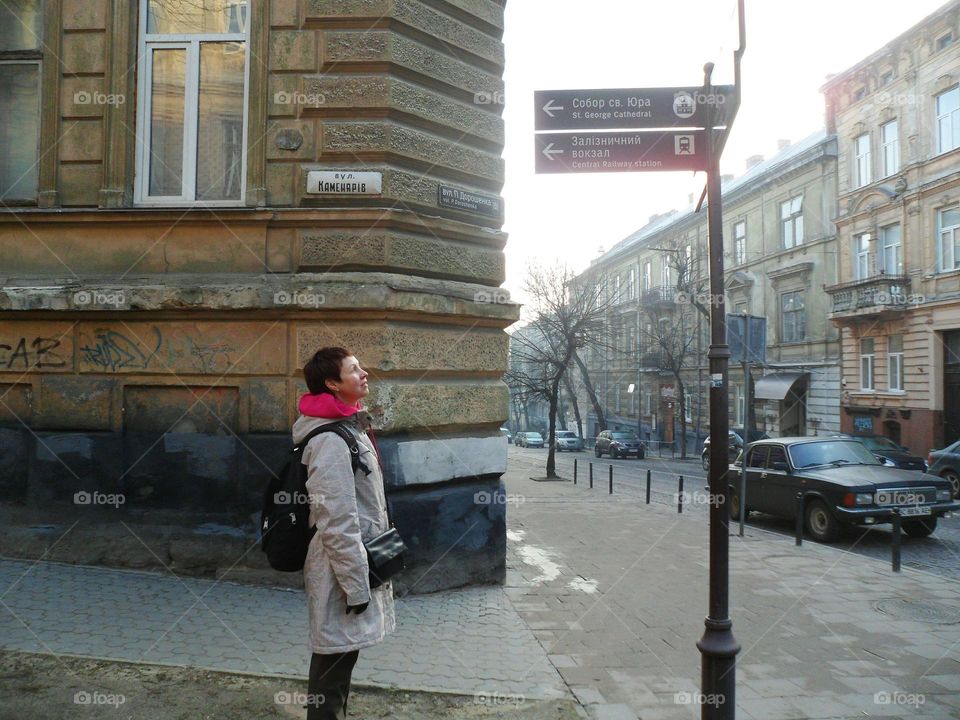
<point x="549" y="107"/>
<point x="550" y="152"/>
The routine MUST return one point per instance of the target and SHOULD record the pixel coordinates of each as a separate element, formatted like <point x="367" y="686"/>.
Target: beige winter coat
<point x="346" y="510"/>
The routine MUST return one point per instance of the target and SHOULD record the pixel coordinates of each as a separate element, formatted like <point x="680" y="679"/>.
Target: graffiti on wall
<point x="113" y="350"/>
<point x="36" y="354"/>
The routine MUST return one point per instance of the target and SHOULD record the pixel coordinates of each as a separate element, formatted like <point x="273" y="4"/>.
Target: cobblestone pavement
<point x="617" y="590"/>
<point x="939" y="553"/>
<point x="469" y="641"/>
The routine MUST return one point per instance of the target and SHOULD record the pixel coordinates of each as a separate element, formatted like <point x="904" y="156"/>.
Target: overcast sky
<point x="557" y="44"/>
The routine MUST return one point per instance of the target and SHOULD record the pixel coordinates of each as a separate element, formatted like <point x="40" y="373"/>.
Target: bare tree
<point x="565" y="316"/>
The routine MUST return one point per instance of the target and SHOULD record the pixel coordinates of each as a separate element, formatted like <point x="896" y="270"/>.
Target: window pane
<point x="166" y="123"/>
<point x="20" y="25"/>
<point x="895" y="343"/>
<point x="220" y="129"/>
<point x="866" y="346"/>
<point x="196" y="16"/>
<point x="950" y="218"/>
<point x="19" y="131"/>
<point x="948" y="101"/>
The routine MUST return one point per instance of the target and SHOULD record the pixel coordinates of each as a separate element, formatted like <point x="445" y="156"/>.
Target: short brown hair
<point x="323" y="366"/>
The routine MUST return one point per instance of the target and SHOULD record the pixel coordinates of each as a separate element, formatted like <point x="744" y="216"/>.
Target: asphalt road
<point x="939" y="553"/>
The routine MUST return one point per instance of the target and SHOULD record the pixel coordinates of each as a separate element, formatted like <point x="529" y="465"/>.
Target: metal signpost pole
<point x="717" y="646"/>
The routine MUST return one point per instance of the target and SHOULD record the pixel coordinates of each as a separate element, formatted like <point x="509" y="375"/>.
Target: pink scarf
<point x="325" y="405"/>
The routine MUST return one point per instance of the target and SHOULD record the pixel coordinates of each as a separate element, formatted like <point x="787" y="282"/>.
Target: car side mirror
<point x="781" y="466"/>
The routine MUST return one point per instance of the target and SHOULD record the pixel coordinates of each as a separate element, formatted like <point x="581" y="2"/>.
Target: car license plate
<point x="915" y="510"/>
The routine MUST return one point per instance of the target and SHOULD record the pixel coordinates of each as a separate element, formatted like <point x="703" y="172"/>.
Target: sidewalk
<point x="605" y="598"/>
<point x="616" y="590"/>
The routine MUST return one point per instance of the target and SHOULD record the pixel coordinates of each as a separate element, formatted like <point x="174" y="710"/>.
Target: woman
<point x="347" y="508"/>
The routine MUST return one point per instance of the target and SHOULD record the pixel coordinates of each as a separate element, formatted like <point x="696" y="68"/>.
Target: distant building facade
<point x="896" y="115"/>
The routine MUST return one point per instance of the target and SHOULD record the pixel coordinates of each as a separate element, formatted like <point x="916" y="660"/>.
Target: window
<point x="890" y="139"/>
<point x="791" y="221"/>
<point x="738" y="405"/>
<point x="632" y="284"/>
<point x="892" y="254"/>
<point x="948" y="248"/>
<point x="862" y="249"/>
<point x="793" y="316"/>
<point x="741" y="308"/>
<point x="948" y="120"/>
<point x="665" y="271"/>
<point x="740" y="243"/>
<point x="861" y="149"/>
<point x="859" y="94"/>
<point x="616" y="290"/>
<point x="687" y="408"/>
<point x="616" y="396"/>
<point x="648" y="403"/>
<point x="686" y="271"/>
<point x="944" y="41"/>
<point x="778" y="454"/>
<point x="192" y="108"/>
<point x="895" y="362"/>
<point x="647" y="276"/>
<point x="20" y="57"/>
<point x="866" y="364"/>
<point x="886" y="78"/>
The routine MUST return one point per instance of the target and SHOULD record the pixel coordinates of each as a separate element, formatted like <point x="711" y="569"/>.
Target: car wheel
<point x="705" y="461"/>
<point x="597" y="451"/>
<point x="821" y="524"/>
<point x="953" y="478"/>
<point x="920" y="528"/>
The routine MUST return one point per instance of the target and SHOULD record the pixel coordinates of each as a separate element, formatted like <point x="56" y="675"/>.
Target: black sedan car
<point x="889" y="453"/>
<point x="842" y="484"/>
<point x="619" y="444"/>
<point x="946" y="464"/>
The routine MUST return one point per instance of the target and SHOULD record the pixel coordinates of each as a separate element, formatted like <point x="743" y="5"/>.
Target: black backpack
<point x="285" y="530"/>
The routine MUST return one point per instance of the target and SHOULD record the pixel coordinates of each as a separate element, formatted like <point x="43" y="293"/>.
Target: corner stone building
<point x="168" y="263"/>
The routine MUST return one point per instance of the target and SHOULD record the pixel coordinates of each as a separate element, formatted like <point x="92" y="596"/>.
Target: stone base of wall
<point x="190" y="502"/>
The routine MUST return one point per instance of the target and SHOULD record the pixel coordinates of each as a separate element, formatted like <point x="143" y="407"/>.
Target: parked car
<point x="946" y="464"/>
<point x="888" y="452"/>
<point x="507" y="435"/>
<point x="734" y="444"/>
<point x="619" y="444"/>
<point x="568" y="440"/>
<point x="532" y="440"/>
<point x="518" y="439"/>
<point x="842" y="484"/>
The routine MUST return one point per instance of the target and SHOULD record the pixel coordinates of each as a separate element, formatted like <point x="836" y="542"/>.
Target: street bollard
<point x="895" y="545"/>
<point x="611" y="480"/>
<point x="648" y="487"/>
<point x="574" y="471"/>
<point x="591" y="476"/>
<point x="680" y="496"/>
<point x="799" y="528"/>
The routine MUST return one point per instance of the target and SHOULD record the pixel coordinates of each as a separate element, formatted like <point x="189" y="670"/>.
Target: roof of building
<point x="759" y="172"/>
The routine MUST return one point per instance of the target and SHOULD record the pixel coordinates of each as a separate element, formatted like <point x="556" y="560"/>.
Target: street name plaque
<point x="590" y="152"/>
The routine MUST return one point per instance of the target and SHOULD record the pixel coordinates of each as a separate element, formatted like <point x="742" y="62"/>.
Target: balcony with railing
<point x="661" y="296"/>
<point x="879" y="295"/>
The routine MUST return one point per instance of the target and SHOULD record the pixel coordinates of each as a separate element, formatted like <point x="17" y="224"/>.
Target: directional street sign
<point x="630" y="109"/>
<point x="587" y="152"/>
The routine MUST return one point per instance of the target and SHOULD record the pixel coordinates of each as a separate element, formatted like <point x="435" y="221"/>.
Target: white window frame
<point x="867" y="360"/>
<point x="190" y="42"/>
<point x="951" y="116"/>
<point x="947" y="255"/>
<point x="794" y="220"/>
<point x="631" y="284"/>
<point x="891" y="147"/>
<point x="888" y="246"/>
<point x="862" y="164"/>
<point x="738" y="405"/>
<point x="740" y="242"/>
<point x="861" y="255"/>
<point x="801" y="314"/>
<point x="32" y="199"/>
<point x="895" y="365"/>
<point x="665" y="279"/>
<point x="647" y="276"/>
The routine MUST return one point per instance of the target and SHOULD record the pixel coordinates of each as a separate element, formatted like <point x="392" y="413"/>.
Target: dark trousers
<point x="329" y="685"/>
